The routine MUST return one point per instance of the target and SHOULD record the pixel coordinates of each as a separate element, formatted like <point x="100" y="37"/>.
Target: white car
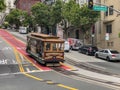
<point x="23" y="30"/>
<point x="108" y="54"/>
<point x="66" y="46"/>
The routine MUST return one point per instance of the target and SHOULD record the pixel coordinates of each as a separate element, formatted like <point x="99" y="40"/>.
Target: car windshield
<point x="114" y="51"/>
<point x="22" y="28"/>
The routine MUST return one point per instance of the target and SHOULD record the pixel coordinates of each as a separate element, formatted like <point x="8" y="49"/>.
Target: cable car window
<point x="33" y="42"/>
<point x="54" y="46"/>
<point x="47" y="46"/>
<point x="60" y="46"/>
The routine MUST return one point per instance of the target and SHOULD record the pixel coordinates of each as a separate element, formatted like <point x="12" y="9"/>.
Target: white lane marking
<point x="14" y="62"/>
<point x="5" y="74"/>
<point x="7" y="48"/>
<point x="28" y="70"/>
<point x="36" y="70"/>
<point x="3" y="61"/>
<point x="1" y="41"/>
<point x="21" y="48"/>
<point x="22" y="58"/>
<point x="33" y="71"/>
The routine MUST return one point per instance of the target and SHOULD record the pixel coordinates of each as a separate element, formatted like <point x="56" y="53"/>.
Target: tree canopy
<point x="79" y="16"/>
<point x="47" y="15"/>
<point x="2" y="5"/>
<point x="15" y="17"/>
<point x="40" y="13"/>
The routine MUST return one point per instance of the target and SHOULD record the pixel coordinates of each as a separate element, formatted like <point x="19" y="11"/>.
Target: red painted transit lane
<point x="20" y="47"/>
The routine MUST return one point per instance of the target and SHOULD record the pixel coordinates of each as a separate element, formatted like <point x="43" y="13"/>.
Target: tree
<point x="2" y="5"/>
<point x="47" y="15"/>
<point x="88" y="19"/>
<point x="15" y="17"/>
<point x="67" y="8"/>
<point x="55" y="16"/>
<point x="80" y="17"/>
<point x="70" y="12"/>
<point x="26" y="19"/>
<point x="41" y="14"/>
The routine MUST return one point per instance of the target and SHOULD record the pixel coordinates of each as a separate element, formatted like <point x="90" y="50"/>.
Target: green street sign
<point x="99" y="8"/>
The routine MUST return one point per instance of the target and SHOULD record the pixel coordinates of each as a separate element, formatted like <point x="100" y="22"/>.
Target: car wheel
<point x="96" y="55"/>
<point x="79" y="51"/>
<point x="67" y="50"/>
<point x="108" y="59"/>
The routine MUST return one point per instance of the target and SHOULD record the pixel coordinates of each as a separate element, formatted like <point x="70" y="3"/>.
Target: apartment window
<point x="109" y="28"/>
<point x="110" y="44"/>
<point x="111" y="10"/>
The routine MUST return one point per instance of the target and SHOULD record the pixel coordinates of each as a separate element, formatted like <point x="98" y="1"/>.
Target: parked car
<point x="23" y="30"/>
<point x="108" y="54"/>
<point x="66" y="46"/>
<point x="88" y="49"/>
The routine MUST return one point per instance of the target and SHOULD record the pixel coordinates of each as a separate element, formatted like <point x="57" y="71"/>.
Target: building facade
<point x="25" y="5"/>
<point x="9" y="6"/>
<point x="108" y="34"/>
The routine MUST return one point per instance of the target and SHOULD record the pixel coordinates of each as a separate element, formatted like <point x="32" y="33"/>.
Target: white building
<point x="9" y="6"/>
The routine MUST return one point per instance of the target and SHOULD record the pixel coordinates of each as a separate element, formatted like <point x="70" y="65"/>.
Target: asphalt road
<point x="16" y="73"/>
<point x="112" y="67"/>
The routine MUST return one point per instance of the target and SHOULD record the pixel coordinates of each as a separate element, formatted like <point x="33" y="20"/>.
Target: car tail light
<point x="113" y="55"/>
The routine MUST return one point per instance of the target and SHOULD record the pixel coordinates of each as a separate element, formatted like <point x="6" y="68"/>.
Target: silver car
<point x="108" y="54"/>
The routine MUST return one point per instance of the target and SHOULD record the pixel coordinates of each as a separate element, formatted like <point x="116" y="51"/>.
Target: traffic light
<point x="90" y="4"/>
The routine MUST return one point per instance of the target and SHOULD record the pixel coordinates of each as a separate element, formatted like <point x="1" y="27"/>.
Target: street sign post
<point x="100" y="8"/>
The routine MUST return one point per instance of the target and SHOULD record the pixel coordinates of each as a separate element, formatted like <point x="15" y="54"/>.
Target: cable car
<point x="46" y="49"/>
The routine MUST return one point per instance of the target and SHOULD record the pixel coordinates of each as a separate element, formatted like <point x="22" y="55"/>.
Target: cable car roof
<point x="45" y="37"/>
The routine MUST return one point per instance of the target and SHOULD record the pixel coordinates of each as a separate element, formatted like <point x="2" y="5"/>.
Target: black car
<point x="88" y="49"/>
